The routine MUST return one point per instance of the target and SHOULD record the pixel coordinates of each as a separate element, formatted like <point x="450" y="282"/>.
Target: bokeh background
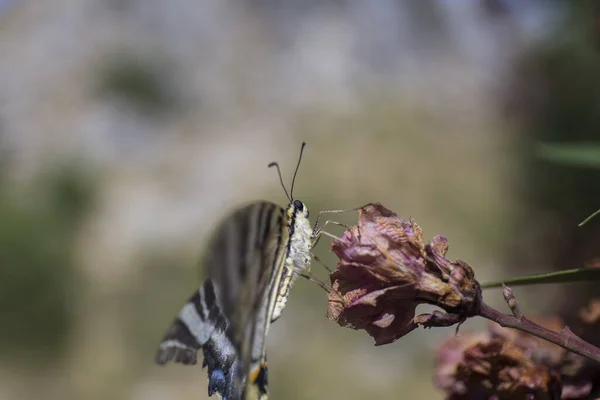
<point x="128" y="128"/>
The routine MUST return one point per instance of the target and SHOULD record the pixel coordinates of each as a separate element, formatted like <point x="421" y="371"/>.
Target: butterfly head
<point x="298" y="225"/>
<point x="298" y="207"/>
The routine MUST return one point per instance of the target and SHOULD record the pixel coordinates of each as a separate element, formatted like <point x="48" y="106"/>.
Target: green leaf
<point x="585" y="221"/>
<point x="586" y="155"/>
<point x="565" y="276"/>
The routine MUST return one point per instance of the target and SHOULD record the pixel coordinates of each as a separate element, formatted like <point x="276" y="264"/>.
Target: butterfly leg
<point x="320" y="229"/>
<point x="316" y="236"/>
<point x="325" y="286"/>
<point x="317" y="259"/>
<point x="318" y="232"/>
<point x="317" y="229"/>
<point x="315" y="279"/>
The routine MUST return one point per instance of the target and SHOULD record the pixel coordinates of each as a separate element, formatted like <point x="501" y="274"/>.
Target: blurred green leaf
<point x="565" y="276"/>
<point x="38" y="275"/>
<point x="576" y="155"/>
<point x="141" y="82"/>
<point x="585" y="221"/>
<point x="69" y="192"/>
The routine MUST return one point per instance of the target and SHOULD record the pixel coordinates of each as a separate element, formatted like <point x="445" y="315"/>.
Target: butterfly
<point x="254" y="257"/>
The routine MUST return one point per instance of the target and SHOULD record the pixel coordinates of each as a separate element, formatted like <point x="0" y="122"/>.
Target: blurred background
<point x="128" y="128"/>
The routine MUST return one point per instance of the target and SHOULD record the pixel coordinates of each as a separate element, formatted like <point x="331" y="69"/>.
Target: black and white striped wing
<point x="228" y="316"/>
<point x="192" y="328"/>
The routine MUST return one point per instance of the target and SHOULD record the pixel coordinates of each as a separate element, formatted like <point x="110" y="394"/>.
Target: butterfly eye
<point x="298" y="204"/>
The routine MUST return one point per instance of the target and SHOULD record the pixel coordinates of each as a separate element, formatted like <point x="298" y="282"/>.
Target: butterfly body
<point x="300" y="244"/>
<point x="252" y="261"/>
<point x="297" y="261"/>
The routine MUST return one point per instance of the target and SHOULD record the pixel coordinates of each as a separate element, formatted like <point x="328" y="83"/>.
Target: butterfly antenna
<point x="296" y="171"/>
<point x="276" y="165"/>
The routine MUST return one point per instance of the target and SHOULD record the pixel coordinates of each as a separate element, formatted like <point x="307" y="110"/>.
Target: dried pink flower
<point x="386" y="270"/>
<point x="591" y="314"/>
<point x="490" y="367"/>
<point x="508" y="364"/>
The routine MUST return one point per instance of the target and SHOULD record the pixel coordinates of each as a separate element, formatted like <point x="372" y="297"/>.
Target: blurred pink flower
<point x="508" y="364"/>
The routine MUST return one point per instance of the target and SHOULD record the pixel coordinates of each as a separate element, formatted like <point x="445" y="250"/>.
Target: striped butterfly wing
<point x="229" y="316"/>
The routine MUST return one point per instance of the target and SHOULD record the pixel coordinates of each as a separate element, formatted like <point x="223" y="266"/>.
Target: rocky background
<point x="128" y="128"/>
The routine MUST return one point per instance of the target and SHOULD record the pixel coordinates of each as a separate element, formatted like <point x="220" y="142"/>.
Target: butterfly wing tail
<point x="192" y="328"/>
<point x="200" y="325"/>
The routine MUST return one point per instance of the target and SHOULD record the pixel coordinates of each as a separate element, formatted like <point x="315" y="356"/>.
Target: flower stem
<point x="565" y="338"/>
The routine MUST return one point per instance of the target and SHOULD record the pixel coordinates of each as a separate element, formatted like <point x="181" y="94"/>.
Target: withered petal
<point x="385" y="270"/>
<point x="384" y="320"/>
<point x="440" y="244"/>
<point x="385" y="314"/>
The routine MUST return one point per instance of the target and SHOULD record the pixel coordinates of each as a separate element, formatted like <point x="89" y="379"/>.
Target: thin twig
<point x="565" y="276"/>
<point x="585" y="221"/>
<point x="565" y="338"/>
